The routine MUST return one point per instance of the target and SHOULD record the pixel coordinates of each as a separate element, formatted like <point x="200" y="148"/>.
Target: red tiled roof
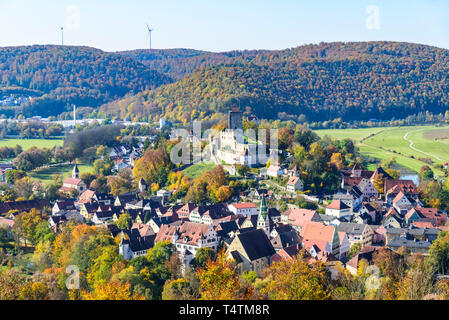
<point x="73" y="181"/>
<point x="293" y="180"/>
<point x="317" y="232"/>
<point x="337" y="205"/>
<point x="245" y="205"/>
<point x="299" y="217"/>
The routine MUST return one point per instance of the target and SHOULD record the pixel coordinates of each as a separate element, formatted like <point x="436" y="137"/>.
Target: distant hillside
<point x="177" y="63"/>
<point x="350" y="80"/>
<point x="81" y="75"/>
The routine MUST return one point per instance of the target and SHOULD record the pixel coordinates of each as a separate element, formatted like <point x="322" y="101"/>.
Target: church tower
<point x="75" y="172"/>
<point x="263" y="221"/>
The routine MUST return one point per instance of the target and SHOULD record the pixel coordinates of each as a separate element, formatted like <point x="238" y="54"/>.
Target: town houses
<point x="267" y="214"/>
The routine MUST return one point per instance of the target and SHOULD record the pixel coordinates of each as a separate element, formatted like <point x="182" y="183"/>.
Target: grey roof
<point x="402" y="242"/>
<point x="353" y="228"/>
<point x="326" y="217"/>
<point x="355" y="191"/>
<point x="286" y="239"/>
<point x="256" y="244"/>
<point x="363" y="184"/>
<point x="343" y="196"/>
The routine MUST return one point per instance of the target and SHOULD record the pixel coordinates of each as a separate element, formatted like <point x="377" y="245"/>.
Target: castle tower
<point x="263" y="221"/>
<point x="75" y="172"/>
<point x="235" y="119"/>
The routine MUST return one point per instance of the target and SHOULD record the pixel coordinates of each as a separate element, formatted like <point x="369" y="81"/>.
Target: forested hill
<point x="349" y="80"/>
<point x="177" y="63"/>
<point x="81" y="75"/>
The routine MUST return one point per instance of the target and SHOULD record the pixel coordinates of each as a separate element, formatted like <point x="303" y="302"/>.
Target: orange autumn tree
<point x="220" y="281"/>
<point x="296" y="280"/>
<point x="223" y="193"/>
<point x="111" y="291"/>
<point x="147" y="167"/>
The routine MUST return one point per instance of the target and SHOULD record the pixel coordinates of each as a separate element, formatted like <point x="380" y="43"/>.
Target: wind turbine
<point x="62" y="35"/>
<point x="149" y="32"/>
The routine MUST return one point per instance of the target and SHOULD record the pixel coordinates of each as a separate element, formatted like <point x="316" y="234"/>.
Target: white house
<point x="245" y="209"/>
<point x="295" y="184"/>
<point x="368" y="190"/>
<point x="274" y="171"/>
<point x="339" y="209"/>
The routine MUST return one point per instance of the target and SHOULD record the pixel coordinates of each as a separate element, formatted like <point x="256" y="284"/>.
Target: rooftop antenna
<point x="149" y="32"/>
<point x="62" y="35"/>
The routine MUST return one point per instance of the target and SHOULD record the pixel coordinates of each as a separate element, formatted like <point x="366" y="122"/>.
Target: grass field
<point x="46" y="174"/>
<point x="29" y="143"/>
<point x="406" y="144"/>
<point x="197" y="170"/>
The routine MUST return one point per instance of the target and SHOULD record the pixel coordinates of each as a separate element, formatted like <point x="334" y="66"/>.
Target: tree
<point x="337" y="161"/>
<point x="111" y="291"/>
<point x="356" y="247"/>
<point x="418" y="280"/>
<point x="87" y="177"/>
<point x="181" y="289"/>
<point x="122" y="183"/>
<point x="242" y="170"/>
<point x="124" y="222"/>
<point x="202" y="256"/>
<point x="34" y="291"/>
<point x="11" y="284"/>
<point x="24" y="187"/>
<point x="296" y="280"/>
<point x="439" y="253"/>
<point x="223" y="193"/>
<point x="219" y="281"/>
<point x="25" y="226"/>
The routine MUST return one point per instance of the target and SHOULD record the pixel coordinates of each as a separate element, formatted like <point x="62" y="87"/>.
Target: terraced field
<point x="412" y="146"/>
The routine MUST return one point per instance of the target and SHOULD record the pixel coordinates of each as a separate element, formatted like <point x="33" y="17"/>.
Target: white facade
<point x="245" y="209"/>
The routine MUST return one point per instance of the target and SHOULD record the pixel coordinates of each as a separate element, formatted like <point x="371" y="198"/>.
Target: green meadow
<point x="197" y="170"/>
<point x="409" y="145"/>
<point x="29" y="143"/>
<point x="46" y="174"/>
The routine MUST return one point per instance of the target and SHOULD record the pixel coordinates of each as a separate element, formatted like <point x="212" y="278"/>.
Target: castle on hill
<point x="231" y="146"/>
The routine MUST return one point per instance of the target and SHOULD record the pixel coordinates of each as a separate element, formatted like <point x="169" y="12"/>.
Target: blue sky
<point x="220" y="25"/>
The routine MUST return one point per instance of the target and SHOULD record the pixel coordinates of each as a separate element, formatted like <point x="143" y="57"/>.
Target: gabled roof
<point x="352" y="228"/>
<point x="87" y="195"/>
<point x="337" y="205"/>
<point x="317" y="231"/>
<point x="364" y="183"/>
<point x="244" y="205"/>
<point x="73" y="181"/>
<point x="256" y="244"/>
<point x="398" y="197"/>
<point x="293" y="180"/>
<point x="286" y="239"/>
<point x="406" y="186"/>
<point x="380" y="171"/>
<point x="298" y="217"/>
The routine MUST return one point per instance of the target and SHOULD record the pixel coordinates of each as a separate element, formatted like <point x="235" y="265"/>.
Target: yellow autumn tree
<point x="297" y="280"/>
<point x="111" y="291"/>
<point x="223" y="193"/>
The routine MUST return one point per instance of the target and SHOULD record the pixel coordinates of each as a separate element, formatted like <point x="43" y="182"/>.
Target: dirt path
<point x="405" y="137"/>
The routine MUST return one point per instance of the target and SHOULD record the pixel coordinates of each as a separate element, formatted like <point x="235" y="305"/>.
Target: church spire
<point x="75" y="172"/>
<point x="263" y="220"/>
